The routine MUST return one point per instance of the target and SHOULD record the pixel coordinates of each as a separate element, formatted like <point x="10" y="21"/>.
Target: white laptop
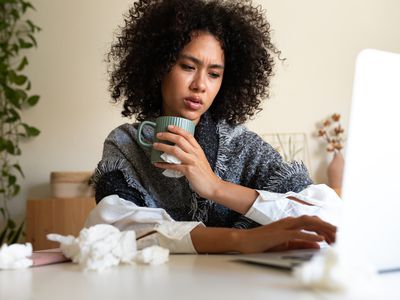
<point x="371" y="222"/>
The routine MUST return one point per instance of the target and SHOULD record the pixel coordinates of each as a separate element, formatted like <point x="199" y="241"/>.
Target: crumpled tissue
<point x="15" y="256"/>
<point x="98" y="247"/>
<point x="172" y="160"/>
<point x="103" y="246"/>
<point x="153" y="255"/>
<point x="333" y="270"/>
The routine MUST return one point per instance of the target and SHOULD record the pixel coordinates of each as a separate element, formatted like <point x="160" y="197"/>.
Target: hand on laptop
<point x="288" y="233"/>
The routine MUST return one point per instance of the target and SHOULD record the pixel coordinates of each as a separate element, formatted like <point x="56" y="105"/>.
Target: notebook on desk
<point x="371" y="221"/>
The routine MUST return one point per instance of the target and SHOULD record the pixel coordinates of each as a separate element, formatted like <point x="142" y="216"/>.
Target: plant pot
<point x="71" y="184"/>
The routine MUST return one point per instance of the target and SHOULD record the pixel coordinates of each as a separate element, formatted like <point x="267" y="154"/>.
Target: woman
<point x="209" y="62"/>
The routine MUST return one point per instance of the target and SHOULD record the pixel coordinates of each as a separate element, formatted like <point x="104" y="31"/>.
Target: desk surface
<point x="183" y="277"/>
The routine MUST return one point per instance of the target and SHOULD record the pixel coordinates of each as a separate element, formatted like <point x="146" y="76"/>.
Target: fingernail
<point x="171" y="126"/>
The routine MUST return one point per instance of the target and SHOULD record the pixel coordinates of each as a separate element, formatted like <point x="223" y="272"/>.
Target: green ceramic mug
<point x="161" y="125"/>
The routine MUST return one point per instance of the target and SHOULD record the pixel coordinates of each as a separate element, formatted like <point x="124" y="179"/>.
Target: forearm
<point x="215" y="240"/>
<point x="285" y="234"/>
<point x="234" y="196"/>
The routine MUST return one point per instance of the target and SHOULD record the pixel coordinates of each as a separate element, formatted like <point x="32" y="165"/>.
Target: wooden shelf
<point x="55" y="215"/>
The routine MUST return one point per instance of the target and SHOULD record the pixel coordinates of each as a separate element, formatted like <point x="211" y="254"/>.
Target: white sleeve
<point x="323" y="202"/>
<point x="153" y="226"/>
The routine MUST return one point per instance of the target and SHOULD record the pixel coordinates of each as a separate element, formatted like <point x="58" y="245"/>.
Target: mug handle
<point x="139" y="133"/>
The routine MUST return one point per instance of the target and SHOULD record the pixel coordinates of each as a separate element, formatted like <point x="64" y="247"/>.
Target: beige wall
<point x="319" y="38"/>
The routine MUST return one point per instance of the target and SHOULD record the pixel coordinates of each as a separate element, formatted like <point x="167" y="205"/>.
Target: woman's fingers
<point x="178" y="140"/>
<point x="168" y="166"/>
<point x="299" y="244"/>
<point x="306" y="221"/>
<point x="305" y="236"/>
<point x="311" y="223"/>
<point x="173" y="150"/>
<point x="296" y="244"/>
<point x="187" y="135"/>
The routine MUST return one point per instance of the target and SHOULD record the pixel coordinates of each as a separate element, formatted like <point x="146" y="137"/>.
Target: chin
<point x="192" y="116"/>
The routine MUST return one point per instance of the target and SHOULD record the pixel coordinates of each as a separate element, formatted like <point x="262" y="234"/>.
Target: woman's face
<point x="191" y="86"/>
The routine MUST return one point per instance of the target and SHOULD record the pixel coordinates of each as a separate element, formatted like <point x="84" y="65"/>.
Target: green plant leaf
<point x="22" y="64"/>
<point x="16" y="79"/>
<point x="22" y="95"/>
<point x="15" y="101"/>
<point x="17" y="234"/>
<point x="20" y="79"/>
<point x="14" y="113"/>
<point x="3" y="67"/>
<point x="11" y="76"/>
<point x="3" y="144"/>
<point x="31" y="25"/>
<point x="18" y="168"/>
<point x="10" y="235"/>
<point x="3" y="25"/>
<point x="11" y="180"/>
<point x="15" y="48"/>
<point x="12" y="96"/>
<point x="26" y="5"/>
<point x="33" y="100"/>
<point x="3" y="235"/>
<point x="11" y="119"/>
<point x="10" y="147"/>
<point x="32" y="38"/>
<point x="16" y="190"/>
<point x="11" y="224"/>
<point x="15" y="14"/>
<point x="30" y="130"/>
<point x="24" y="44"/>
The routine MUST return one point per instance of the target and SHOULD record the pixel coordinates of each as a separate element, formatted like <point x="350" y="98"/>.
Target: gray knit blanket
<point x="235" y="154"/>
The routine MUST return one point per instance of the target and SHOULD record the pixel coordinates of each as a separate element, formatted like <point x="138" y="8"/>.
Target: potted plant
<point x="17" y="34"/>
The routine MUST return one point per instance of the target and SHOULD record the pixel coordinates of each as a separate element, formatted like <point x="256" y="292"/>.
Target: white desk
<point x="183" y="277"/>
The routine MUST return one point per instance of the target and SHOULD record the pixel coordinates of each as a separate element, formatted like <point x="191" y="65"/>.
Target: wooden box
<point x="55" y="215"/>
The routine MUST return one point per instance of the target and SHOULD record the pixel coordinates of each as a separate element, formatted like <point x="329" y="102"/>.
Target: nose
<point x="198" y="84"/>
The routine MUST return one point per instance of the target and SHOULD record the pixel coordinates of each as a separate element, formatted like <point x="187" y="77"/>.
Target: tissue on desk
<point x="153" y="255"/>
<point x="171" y="160"/>
<point x="15" y="256"/>
<point x="98" y="247"/>
<point x="103" y="246"/>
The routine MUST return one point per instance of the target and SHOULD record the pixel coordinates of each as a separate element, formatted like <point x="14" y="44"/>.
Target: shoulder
<point x="124" y="132"/>
<point x="239" y="136"/>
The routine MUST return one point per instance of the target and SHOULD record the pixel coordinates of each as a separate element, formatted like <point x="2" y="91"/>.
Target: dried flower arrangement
<point x="332" y="132"/>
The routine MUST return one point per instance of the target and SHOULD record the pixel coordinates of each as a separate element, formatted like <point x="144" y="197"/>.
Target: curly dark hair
<point x="155" y="32"/>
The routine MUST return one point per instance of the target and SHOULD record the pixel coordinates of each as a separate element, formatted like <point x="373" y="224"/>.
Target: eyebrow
<point x="199" y="62"/>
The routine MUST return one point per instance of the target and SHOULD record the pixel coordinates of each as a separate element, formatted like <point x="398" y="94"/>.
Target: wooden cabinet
<point x="55" y="215"/>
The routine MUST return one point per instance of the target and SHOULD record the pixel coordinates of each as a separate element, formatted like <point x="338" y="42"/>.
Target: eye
<point x="214" y="75"/>
<point x="187" y="67"/>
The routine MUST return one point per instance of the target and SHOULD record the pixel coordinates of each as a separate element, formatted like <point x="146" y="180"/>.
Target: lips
<point x="193" y="103"/>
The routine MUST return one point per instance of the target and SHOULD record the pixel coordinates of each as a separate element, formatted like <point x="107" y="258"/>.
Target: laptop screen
<point x="371" y="223"/>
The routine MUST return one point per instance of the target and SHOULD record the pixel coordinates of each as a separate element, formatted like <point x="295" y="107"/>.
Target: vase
<point x="335" y="171"/>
